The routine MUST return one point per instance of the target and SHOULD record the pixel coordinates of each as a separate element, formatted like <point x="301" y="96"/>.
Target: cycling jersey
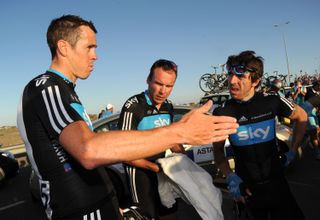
<point x="257" y="159"/>
<point x="254" y="143"/>
<point x="139" y="113"/>
<point x="49" y="104"/>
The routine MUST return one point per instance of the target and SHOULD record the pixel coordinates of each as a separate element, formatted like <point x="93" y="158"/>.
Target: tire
<point x="205" y="82"/>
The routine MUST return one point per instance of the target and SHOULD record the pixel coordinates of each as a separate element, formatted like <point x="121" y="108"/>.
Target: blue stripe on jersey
<point x="154" y="121"/>
<point x="82" y="112"/>
<point x="256" y="133"/>
<point x="147" y="97"/>
<point x="60" y="74"/>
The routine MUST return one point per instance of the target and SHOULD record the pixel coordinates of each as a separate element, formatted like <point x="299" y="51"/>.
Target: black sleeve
<point x="128" y="117"/>
<point x="285" y="107"/>
<point x="54" y="107"/>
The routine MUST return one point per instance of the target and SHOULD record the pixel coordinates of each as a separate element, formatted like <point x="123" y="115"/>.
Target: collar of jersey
<point x="65" y="78"/>
<point x="147" y="97"/>
<point x="149" y="102"/>
<point x="247" y="101"/>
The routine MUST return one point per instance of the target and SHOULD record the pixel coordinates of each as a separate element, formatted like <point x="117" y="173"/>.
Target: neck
<point x="56" y="65"/>
<point x="249" y="96"/>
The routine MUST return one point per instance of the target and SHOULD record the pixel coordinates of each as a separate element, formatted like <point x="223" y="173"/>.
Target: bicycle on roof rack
<point x="214" y="82"/>
<point x="267" y="80"/>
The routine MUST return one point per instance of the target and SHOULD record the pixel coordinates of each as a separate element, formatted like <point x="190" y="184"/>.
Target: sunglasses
<point x="239" y="70"/>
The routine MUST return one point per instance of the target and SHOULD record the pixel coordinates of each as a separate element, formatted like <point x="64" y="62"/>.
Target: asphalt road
<point x="304" y="179"/>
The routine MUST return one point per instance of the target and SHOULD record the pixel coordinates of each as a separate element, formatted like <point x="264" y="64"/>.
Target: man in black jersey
<point x="147" y="110"/>
<point x="258" y="181"/>
<point x="314" y="90"/>
<point x="62" y="148"/>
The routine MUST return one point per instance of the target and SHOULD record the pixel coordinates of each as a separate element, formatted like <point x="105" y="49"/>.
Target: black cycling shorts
<point x="107" y="211"/>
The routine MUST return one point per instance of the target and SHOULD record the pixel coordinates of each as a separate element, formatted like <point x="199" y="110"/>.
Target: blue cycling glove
<point x="290" y="155"/>
<point x="234" y="181"/>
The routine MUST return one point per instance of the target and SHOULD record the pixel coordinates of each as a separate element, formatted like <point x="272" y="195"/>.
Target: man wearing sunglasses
<point x="258" y="180"/>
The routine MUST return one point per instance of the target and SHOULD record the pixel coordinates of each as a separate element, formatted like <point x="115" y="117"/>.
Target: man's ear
<point x="256" y="83"/>
<point x="62" y="47"/>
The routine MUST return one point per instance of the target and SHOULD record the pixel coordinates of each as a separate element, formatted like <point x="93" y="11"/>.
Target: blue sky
<point x="132" y="34"/>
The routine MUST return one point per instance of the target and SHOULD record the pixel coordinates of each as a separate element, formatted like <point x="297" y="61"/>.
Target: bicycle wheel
<point x="205" y="82"/>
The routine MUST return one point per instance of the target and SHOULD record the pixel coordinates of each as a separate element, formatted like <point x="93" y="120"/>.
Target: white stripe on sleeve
<point x="53" y="124"/>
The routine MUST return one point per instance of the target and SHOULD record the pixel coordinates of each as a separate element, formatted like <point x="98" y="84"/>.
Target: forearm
<point x="220" y="160"/>
<point x="144" y="164"/>
<point x="132" y="145"/>
<point x="300" y="117"/>
<point x="96" y="149"/>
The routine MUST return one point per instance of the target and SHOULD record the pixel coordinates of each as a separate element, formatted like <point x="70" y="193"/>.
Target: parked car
<point x="217" y="98"/>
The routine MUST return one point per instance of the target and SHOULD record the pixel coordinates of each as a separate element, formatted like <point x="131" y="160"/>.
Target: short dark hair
<point x="165" y="65"/>
<point x="66" y="28"/>
<point x="248" y="59"/>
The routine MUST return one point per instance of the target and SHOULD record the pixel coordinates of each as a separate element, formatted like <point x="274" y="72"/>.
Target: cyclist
<point x="143" y="111"/>
<point x="63" y="149"/>
<point x="258" y="179"/>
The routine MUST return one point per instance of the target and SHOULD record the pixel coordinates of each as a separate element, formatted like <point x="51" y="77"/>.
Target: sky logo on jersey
<point x="82" y="112"/>
<point x="154" y="121"/>
<point x="42" y="80"/>
<point x="254" y="133"/>
<point x="130" y="102"/>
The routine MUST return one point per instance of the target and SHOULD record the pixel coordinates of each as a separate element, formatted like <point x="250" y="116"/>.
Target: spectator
<point x="313" y="90"/>
<point x="299" y="92"/>
<point x="101" y="113"/>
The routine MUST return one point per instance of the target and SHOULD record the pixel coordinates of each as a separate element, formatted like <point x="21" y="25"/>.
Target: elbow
<point x="88" y="157"/>
<point x="91" y="158"/>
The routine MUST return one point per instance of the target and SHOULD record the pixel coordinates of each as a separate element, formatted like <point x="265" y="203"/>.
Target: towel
<point x="182" y="178"/>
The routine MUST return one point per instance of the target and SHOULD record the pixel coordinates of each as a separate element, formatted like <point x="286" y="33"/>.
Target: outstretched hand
<point x="200" y="127"/>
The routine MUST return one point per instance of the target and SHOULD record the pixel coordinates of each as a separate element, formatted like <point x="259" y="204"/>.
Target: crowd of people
<point x="308" y="97"/>
<point x="108" y="111"/>
<point x="67" y="156"/>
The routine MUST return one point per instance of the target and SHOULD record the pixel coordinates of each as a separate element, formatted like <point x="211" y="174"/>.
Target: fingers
<point x="223" y="132"/>
<point x="219" y="119"/>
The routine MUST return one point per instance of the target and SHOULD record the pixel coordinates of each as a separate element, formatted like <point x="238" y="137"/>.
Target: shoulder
<point x="40" y="84"/>
<point x="42" y="81"/>
<point x="224" y="107"/>
<point x="134" y="102"/>
<point x="169" y="104"/>
<point x="269" y="96"/>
